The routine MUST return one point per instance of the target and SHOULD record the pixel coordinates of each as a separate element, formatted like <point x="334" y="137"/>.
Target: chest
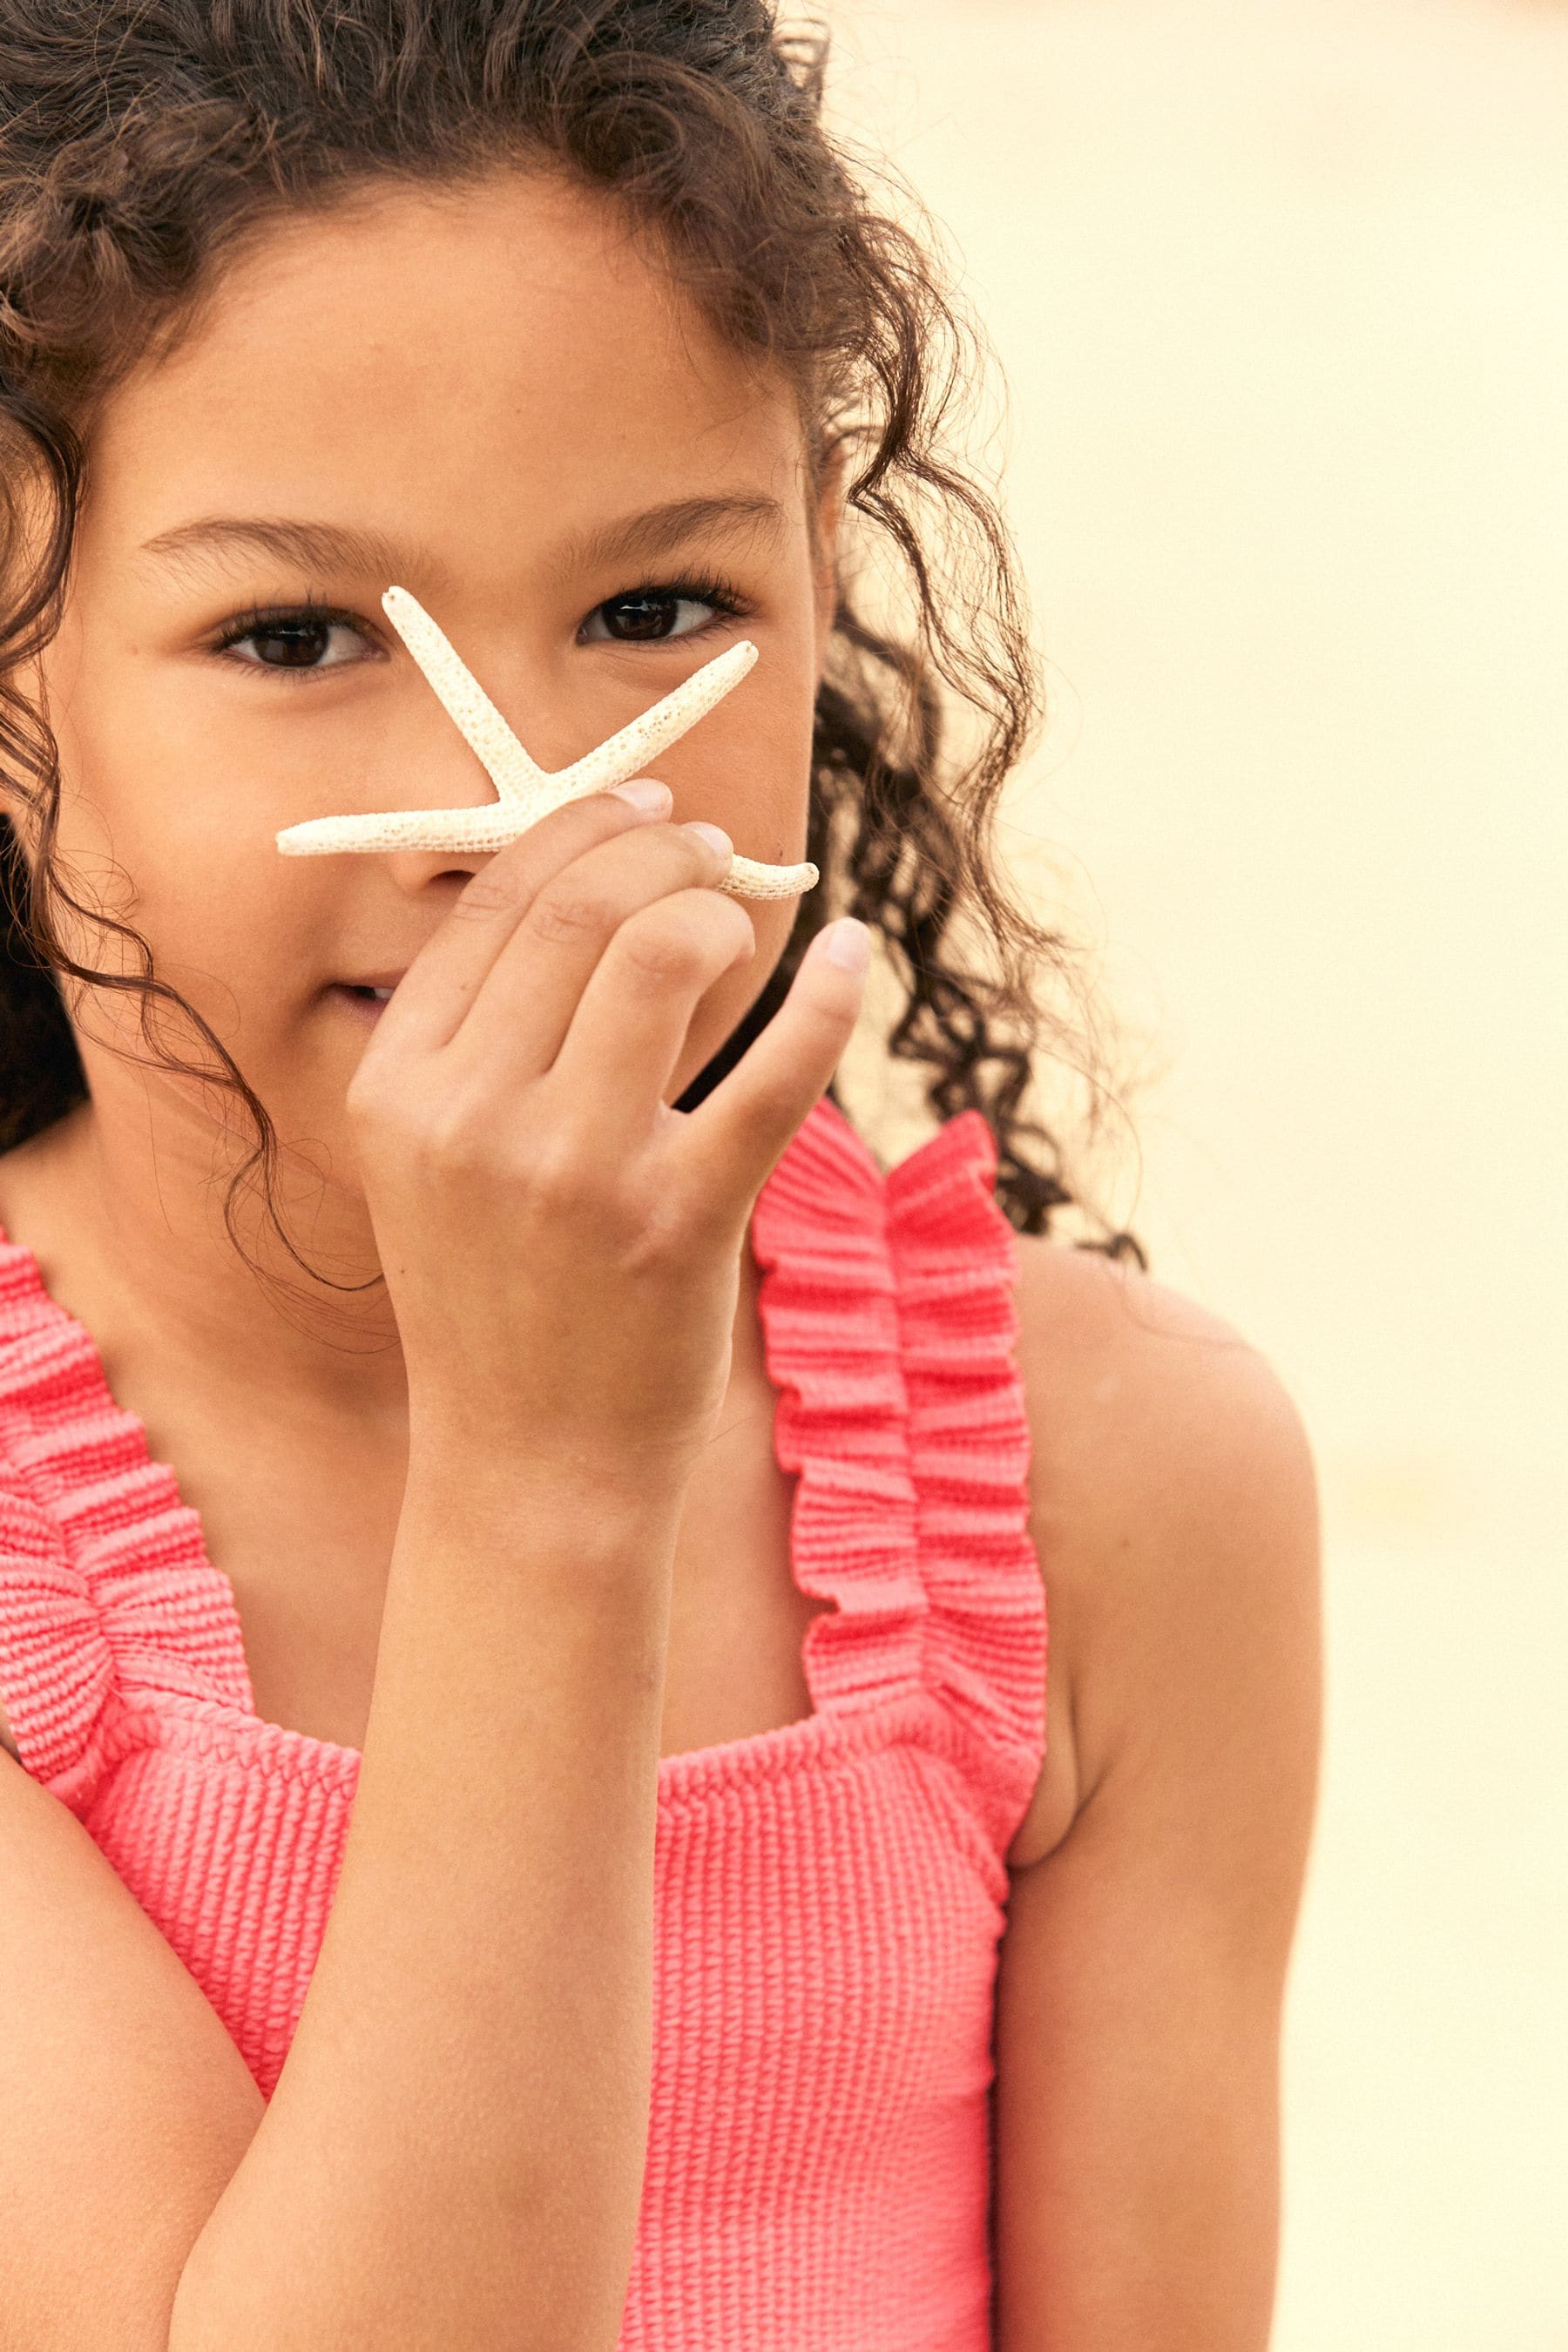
<point x="302" y="1525"/>
<point x="305" y="1546"/>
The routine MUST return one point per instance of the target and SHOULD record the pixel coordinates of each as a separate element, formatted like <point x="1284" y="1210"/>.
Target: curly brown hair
<point x="142" y="140"/>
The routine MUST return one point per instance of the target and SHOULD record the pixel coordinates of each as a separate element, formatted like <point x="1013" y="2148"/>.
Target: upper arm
<point x="127" y="2106"/>
<point x="1143" y="1971"/>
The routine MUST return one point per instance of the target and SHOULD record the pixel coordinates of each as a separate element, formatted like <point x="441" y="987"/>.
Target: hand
<point x="562" y="1248"/>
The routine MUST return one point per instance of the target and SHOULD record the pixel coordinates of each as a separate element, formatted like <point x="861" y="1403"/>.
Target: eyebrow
<point x="323" y="546"/>
<point x="320" y="545"/>
<point x="638" y="537"/>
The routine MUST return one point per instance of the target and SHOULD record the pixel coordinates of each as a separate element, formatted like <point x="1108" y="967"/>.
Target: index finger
<point x="427" y="1007"/>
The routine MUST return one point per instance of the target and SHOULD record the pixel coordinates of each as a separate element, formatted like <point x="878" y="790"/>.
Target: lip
<point x="372" y="980"/>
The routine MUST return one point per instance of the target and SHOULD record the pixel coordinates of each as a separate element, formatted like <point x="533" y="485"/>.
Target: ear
<point x="830" y="504"/>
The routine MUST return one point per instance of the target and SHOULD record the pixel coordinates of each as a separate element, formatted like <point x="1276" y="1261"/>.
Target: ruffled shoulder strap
<point x="57" y="1669"/>
<point x="889" y="1326"/>
<point x="107" y="1597"/>
<point x="830" y="1330"/>
<point x="954" y="1257"/>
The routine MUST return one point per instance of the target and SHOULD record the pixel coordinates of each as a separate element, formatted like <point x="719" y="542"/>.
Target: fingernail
<point x="714" y="836"/>
<point x="847" y="943"/>
<point x="644" y="792"/>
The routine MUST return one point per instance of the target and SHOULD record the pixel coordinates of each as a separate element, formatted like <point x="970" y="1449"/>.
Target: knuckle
<point x="664" y="945"/>
<point x="451" y="1141"/>
<point x="564" y="913"/>
<point x="375" y="1095"/>
<point x="539" y="1169"/>
<point x="416" y="1117"/>
<point x="687" y="936"/>
<point x="664" y="962"/>
<point x="364" y="1105"/>
<point x="662" y="1232"/>
<point x="552" y="1176"/>
<point x="694" y="1226"/>
<point x="426" y="1138"/>
<point x="486" y="893"/>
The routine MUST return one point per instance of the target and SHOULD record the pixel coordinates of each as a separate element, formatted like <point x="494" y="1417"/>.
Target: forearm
<point x="453" y="2150"/>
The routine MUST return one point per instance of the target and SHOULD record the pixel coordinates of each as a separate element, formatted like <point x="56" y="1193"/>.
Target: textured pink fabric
<point x="829" y="1896"/>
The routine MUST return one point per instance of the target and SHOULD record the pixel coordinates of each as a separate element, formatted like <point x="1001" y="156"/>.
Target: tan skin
<point x="556" y="384"/>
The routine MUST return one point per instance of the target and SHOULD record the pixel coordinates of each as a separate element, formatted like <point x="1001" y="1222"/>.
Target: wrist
<point x="584" y="1489"/>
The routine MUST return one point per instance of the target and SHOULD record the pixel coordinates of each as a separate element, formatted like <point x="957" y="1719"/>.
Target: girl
<point x="528" y="1819"/>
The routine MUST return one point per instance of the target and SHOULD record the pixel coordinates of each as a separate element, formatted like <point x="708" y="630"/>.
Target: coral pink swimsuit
<point x="829" y="1896"/>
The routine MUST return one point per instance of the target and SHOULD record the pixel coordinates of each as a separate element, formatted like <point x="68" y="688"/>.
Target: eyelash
<point x="697" y="587"/>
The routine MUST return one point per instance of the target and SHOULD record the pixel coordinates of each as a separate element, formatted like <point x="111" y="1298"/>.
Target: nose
<point x="431" y="768"/>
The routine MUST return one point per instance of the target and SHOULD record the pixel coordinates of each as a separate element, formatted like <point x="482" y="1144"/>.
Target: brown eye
<point x="294" y="641"/>
<point x="647" y="614"/>
<point x="686" y="607"/>
<point x="300" y="645"/>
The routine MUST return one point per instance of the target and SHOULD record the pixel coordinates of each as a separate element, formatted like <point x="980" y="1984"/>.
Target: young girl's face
<point x="491" y="397"/>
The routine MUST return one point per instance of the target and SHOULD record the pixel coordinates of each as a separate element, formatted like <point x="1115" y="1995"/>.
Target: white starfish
<point x="526" y="792"/>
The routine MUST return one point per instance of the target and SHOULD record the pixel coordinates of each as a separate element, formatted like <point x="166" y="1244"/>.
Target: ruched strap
<point x="106" y="1590"/>
<point x="57" y="1669"/>
<point x="890" y="1326"/>
<point x="830" y="1323"/>
<point x="956" y="1257"/>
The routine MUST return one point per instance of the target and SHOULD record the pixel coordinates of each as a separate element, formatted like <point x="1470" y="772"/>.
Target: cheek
<point x="141" y="776"/>
<point x="145" y="830"/>
<point x="754" y="774"/>
<point x="224" y="938"/>
<point x="170" y="811"/>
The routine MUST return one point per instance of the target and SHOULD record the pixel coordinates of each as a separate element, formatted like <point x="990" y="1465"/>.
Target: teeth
<point x="381" y="994"/>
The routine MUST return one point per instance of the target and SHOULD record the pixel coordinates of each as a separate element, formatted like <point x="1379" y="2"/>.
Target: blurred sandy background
<point x="1281" y="292"/>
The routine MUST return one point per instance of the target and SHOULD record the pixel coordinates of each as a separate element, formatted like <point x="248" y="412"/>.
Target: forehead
<point x="490" y="353"/>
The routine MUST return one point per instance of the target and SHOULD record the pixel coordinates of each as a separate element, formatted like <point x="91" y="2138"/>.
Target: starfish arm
<point x="622" y="755"/>
<point x="527" y="792"/>
<point x="493" y="828"/>
<point x="503" y="758"/>
<point x="748" y="879"/>
<point x="490" y="827"/>
<point x="516" y="775"/>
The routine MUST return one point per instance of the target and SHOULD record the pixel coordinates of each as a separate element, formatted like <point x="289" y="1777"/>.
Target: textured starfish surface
<point x="525" y="790"/>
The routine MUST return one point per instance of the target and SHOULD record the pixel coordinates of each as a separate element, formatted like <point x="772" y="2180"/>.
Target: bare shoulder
<point x="1172" y="1506"/>
<point x="1142" y="1974"/>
